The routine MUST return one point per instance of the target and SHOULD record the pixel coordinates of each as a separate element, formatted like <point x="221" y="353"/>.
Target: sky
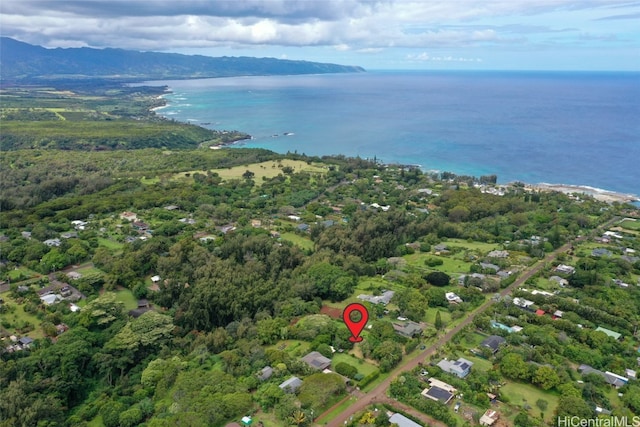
<point x="375" y="34"/>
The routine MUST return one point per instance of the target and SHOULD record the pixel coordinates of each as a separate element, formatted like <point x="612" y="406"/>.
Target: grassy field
<point x="20" y="316"/>
<point x="298" y="240"/>
<point x="520" y="394"/>
<point x="479" y="363"/>
<point x="21" y="271"/>
<point x="127" y="297"/>
<point x="430" y="317"/>
<point x="450" y="265"/>
<point x="110" y="244"/>
<point x="268" y="169"/>
<point x="364" y="368"/>
<point x="477" y="246"/>
<point x="630" y="225"/>
<point x="88" y="269"/>
<point x="295" y="348"/>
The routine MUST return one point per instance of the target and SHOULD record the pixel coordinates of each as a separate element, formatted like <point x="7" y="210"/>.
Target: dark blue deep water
<point x="570" y="128"/>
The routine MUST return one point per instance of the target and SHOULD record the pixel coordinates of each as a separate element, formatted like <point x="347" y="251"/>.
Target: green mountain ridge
<point x="21" y="61"/>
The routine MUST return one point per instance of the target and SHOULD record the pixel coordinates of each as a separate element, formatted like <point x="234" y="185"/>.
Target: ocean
<point x="553" y="127"/>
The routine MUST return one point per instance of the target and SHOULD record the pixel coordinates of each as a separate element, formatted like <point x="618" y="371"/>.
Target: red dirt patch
<point x="334" y="313"/>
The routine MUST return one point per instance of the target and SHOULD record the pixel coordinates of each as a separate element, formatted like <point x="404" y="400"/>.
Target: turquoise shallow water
<point x="571" y="128"/>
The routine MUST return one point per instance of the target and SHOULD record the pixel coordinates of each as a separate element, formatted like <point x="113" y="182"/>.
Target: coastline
<point x="597" y="193"/>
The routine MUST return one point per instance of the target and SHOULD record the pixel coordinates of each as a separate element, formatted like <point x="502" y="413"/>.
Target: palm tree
<point x="298" y="418"/>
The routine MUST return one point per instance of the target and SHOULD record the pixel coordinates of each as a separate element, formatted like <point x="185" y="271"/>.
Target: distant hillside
<point x="22" y="61"/>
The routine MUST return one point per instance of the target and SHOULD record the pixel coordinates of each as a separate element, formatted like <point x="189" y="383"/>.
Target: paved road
<point x="378" y="394"/>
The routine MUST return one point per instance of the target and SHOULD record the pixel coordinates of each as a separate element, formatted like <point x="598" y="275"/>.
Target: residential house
<point x="25" y="342"/>
<point x="610" y="378"/>
<point x="439" y="391"/>
<point x="52" y="242"/>
<point x="317" y="361"/>
<point x="558" y="314"/>
<point x="408" y="329"/>
<point x="565" y="269"/>
<point x="522" y="303"/>
<point x="493" y="342"/>
<point x="460" y="367"/>
<point x="129" y="216"/>
<point x="489" y="418"/>
<point x="51" y="298"/>
<point x="74" y="308"/>
<point x="383" y="299"/>
<point x="26" y="234"/>
<point x="155" y="279"/>
<point x="402" y="421"/>
<point x="462" y="278"/>
<point x="498" y="254"/>
<point x="559" y="280"/>
<point x="600" y="252"/>
<point x="143" y="307"/>
<point x="612" y="334"/>
<point x="140" y="226"/>
<point x="79" y="225"/>
<point x="441" y="248"/>
<point x="74" y="275"/>
<point x="453" y="298"/>
<point x="265" y="373"/>
<point x="291" y="385"/>
<point x="489" y="266"/>
<point x="69" y="235"/>
<point x="303" y="227"/>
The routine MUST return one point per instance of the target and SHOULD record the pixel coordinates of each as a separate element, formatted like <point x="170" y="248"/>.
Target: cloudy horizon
<point x="376" y="34"/>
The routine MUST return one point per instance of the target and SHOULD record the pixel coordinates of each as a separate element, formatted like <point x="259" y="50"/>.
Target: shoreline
<point x="608" y="196"/>
<point x="597" y="193"/>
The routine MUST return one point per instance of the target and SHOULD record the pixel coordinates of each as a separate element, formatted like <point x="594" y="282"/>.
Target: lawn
<point x="295" y="348"/>
<point x="110" y="244"/>
<point x="268" y="169"/>
<point x="430" y="317"/>
<point x="450" y="264"/>
<point x="89" y="269"/>
<point x="298" y="240"/>
<point x="479" y="363"/>
<point x="20" y="316"/>
<point x="127" y="297"/>
<point x="364" y="368"/>
<point x="520" y="394"/>
<point x="630" y="224"/>
<point x="477" y="246"/>
<point x="21" y="271"/>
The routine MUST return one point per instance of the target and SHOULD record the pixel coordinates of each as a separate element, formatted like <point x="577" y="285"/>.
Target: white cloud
<point x="348" y="26"/>
<point x="425" y="57"/>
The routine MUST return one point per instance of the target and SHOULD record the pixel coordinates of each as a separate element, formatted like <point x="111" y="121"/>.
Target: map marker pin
<point x="355" y="327"/>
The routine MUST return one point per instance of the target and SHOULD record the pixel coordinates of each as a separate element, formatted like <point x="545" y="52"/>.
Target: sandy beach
<point x="596" y="193"/>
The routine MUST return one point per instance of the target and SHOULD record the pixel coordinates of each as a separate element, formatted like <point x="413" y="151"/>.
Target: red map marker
<point x="355" y="327"/>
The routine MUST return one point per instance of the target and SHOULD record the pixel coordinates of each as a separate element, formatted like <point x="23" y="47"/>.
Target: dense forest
<point x="164" y="285"/>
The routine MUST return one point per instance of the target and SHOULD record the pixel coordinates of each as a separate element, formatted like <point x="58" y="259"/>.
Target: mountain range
<point x="21" y="61"/>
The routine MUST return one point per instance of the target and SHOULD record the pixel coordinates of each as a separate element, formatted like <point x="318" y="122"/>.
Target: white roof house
<point x="50" y="298"/>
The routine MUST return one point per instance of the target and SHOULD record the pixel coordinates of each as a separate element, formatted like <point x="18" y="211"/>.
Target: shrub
<point x="347" y="370"/>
